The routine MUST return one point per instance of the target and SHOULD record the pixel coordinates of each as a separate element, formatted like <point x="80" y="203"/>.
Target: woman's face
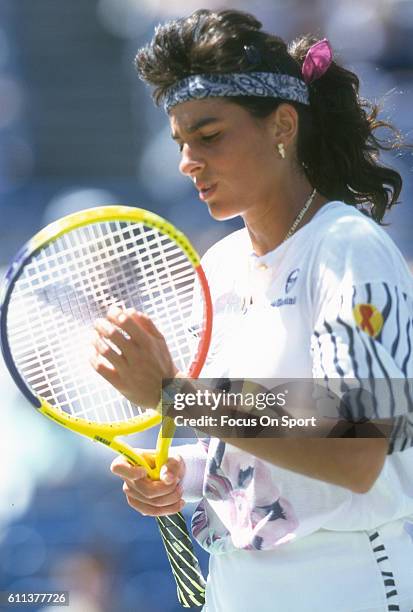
<point x="230" y="155"/>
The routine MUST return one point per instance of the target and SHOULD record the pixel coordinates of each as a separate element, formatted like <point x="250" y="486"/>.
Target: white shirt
<point x="334" y="302"/>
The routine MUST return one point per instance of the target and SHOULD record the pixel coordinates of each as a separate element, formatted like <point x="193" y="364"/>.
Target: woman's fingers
<point x="144" y="487"/>
<point x="115" y="341"/>
<point x="146" y="323"/>
<point x="121" y="467"/>
<point x="149" y="510"/>
<point x="107" y="351"/>
<point x="173" y="470"/>
<point x="105" y="369"/>
<point x="157" y="498"/>
<point x="152" y="497"/>
<point x="135" y="324"/>
<point x="140" y="359"/>
<point x="147" y="489"/>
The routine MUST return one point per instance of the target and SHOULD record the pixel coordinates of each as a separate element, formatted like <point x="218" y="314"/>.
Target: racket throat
<point x="128" y="452"/>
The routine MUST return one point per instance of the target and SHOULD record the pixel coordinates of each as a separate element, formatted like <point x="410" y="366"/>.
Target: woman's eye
<point x="204" y="138"/>
<point x="210" y="137"/>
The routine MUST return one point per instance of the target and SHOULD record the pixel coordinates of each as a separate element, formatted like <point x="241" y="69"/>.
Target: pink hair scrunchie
<point x="317" y="61"/>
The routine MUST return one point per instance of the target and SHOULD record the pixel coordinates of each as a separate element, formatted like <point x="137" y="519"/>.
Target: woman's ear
<point x="283" y="123"/>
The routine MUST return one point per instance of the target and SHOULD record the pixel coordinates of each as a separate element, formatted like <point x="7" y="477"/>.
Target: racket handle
<point x="190" y="583"/>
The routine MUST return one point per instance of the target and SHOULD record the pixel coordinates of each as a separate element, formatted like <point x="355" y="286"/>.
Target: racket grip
<point x="190" y="583"/>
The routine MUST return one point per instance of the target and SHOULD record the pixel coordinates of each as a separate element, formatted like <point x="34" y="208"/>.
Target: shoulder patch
<point x="368" y="318"/>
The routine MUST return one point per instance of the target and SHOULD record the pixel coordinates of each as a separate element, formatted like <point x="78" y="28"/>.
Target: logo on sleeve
<point x="368" y="318"/>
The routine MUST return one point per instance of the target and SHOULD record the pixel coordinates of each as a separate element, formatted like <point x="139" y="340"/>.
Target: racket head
<point x="135" y="258"/>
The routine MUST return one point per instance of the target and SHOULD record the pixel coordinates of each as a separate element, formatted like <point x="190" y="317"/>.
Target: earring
<point x="281" y="149"/>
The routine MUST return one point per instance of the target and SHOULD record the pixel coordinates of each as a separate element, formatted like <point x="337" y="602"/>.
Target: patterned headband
<point x="261" y="84"/>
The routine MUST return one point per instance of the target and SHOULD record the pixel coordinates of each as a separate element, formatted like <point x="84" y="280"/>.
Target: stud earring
<point x="281" y="149"/>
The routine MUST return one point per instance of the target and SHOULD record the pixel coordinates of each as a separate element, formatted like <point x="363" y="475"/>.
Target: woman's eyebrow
<point x="197" y="125"/>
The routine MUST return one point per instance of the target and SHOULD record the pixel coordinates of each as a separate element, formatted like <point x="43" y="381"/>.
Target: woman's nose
<point x="190" y="164"/>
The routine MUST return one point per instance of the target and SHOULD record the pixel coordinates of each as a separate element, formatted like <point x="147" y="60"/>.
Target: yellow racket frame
<point x="108" y="434"/>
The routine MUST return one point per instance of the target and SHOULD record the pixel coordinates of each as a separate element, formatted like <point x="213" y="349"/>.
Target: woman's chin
<point x="221" y="212"/>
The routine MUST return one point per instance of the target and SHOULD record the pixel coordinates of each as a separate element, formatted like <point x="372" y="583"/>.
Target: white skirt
<point x="328" y="571"/>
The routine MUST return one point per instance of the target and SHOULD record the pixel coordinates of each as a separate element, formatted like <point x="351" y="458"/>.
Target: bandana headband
<point x="260" y="84"/>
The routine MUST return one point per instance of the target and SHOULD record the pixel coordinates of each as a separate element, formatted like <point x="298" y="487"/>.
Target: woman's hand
<point x="152" y="497"/>
<point x="132" y="355"/>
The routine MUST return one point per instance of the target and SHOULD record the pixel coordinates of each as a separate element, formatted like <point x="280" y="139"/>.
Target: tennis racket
<point x="60" y="282"/>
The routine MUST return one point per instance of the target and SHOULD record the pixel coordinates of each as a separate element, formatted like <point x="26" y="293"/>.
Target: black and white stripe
<point x="383" y="562"/>
<point x="190" y="583"/>
<point x="347" y="358"/>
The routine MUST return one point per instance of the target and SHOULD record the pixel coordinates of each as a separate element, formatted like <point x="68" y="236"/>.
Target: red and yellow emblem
<point x="368" y="318"/>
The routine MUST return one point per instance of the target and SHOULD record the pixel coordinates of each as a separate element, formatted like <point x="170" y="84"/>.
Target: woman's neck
<point x="269" y="224"/>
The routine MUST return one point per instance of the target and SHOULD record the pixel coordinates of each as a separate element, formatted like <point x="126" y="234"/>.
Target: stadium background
<point x="78" y="129"/>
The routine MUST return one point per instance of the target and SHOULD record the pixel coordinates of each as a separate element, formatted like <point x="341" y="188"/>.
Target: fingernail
<point x="139" y="472"/>
<point x="166" y="476"/>
<point x="102" y="324"/>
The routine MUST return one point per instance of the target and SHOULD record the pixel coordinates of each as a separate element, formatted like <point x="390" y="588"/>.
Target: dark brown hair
<point x="337" y="145"/>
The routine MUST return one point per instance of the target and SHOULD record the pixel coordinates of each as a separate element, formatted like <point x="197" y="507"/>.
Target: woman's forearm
<point x="351" y="463"/>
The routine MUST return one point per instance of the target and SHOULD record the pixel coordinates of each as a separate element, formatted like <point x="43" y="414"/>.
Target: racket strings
<point x="71" y="282"/>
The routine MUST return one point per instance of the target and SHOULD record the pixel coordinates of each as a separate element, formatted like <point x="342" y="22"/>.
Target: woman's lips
<point x="206" y="193"/>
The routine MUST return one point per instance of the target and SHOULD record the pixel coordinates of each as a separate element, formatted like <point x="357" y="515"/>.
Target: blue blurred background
<point x="78" y="129"/>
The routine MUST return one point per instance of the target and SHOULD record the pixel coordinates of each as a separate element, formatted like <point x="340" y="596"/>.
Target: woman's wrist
<point x="194" y="458"/>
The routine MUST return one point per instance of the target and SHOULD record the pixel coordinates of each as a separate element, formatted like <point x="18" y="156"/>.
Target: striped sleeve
<point x="362" y="349"/>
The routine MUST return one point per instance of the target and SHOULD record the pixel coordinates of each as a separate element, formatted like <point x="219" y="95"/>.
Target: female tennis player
<point x="312" y="287"/>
